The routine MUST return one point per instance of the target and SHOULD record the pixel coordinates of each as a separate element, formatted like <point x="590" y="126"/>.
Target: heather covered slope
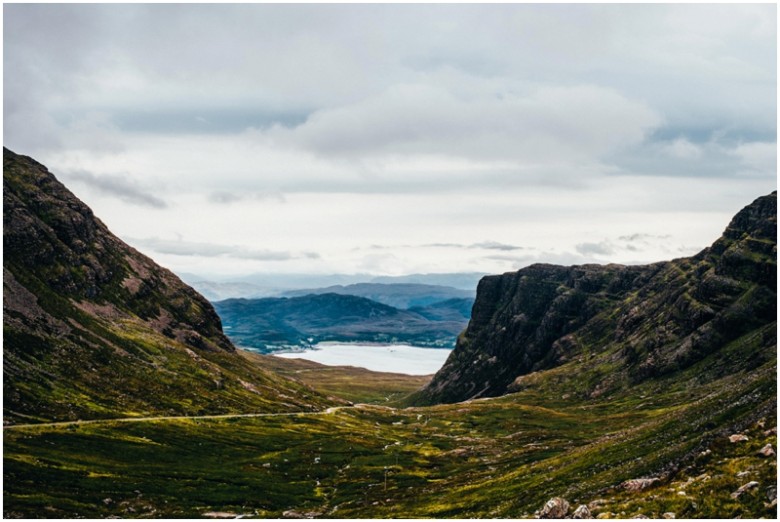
<point x="93" y="328"/>
<point x="615" y="326"/>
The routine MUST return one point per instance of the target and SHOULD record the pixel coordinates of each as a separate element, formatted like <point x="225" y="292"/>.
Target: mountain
<point x="457" y="309"/>
<point x="93" y="328"/>
<point x="273" y="323"/>
<point x="216" y="288"/>
<point x="612" y="327"/>
<point x="398" y="295"/>
<point x="461" y="280"/>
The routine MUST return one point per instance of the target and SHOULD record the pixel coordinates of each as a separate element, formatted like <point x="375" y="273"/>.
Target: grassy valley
<point x="354" y="384"/>
<point x="502" y="457"/>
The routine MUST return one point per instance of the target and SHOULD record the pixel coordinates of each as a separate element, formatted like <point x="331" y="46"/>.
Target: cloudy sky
<point x="394" y="139"/>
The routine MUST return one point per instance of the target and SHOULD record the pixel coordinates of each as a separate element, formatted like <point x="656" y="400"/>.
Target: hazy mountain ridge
<point x="93" y="328"/>
<point x="398" y="295"/>
<point x="271" y="324"/>
<point x="629" y="323"/>
<point x="290" y="285"/>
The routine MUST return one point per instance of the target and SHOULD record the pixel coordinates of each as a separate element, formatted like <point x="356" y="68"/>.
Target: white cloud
<point x="758" y="157"/>
<point x="542" y="124"/>
<point x="495" y="245"/>
<point x="682" y="148"/>
<point x="119" y="187"/>
<point x="179" y="247"/>
<point x="602" y="248"/>
<point x="407" y="125"/>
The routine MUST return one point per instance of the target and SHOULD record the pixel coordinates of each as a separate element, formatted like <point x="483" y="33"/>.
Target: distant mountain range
<point x="398" y="295"/>
<point x="271" y="324"/>
<point x="279" y="285"/>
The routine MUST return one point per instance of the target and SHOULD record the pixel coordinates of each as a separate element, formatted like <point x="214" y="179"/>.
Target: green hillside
<point x="93" y="328"/>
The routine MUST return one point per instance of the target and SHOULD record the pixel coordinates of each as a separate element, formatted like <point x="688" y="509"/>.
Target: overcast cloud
<point x="121" y="187"/>
<point x="287" y="129"/>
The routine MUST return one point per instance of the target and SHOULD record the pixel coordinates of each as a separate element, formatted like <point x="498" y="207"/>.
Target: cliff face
<point x="93" y="327"/>
<point x="619" y="325"/>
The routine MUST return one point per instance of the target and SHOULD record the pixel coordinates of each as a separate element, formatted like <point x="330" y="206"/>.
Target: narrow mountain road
<point x="64" y="424"/>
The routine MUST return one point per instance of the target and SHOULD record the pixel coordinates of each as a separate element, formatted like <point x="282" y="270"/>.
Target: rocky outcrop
<point x="582" y="512"/>
<point x="743" y="488"/>
<point x="631" y="323"/>
<point x="524" y="322"/>
<point x="640" y="484"/>
<point x="555" y="508"/>
<point x="767" y="451"/>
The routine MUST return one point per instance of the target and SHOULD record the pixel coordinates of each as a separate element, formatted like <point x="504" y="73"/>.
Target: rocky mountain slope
<point x="274" y="323"/>
<point x="614" y="326"/>
<point x="93" y="328"/>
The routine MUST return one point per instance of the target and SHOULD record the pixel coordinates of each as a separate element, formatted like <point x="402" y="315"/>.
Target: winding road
<point x="63" y="424"/>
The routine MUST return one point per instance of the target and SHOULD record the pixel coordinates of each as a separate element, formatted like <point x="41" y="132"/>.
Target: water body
<point x="394" y="358"/>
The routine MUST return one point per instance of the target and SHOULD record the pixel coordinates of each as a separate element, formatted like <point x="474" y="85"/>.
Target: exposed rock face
<point x="743" y="488"/>
<point x="537" y="309"/>
<point x="94" y="328"/>
<point x="767" y="451"/>
<point x="582" y="512"/>
<point x="647" y="321"/>
<point x="555" y="508"/>
<point x="640" y="484"/>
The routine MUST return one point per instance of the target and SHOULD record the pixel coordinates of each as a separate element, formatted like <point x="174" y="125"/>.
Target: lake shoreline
<point x="392" y="358"/>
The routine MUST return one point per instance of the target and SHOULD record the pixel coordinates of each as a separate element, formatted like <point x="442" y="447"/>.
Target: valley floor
<point x="489" y="458"/>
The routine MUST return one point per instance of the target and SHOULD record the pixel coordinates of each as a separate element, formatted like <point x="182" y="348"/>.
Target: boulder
<point x="767" y="451"/>
<point x="669" y="514"/>
<point x="745" y="487"/>
<point x="639" y="484"/>
<point x="556" y="507"/>
<point x="582" y="512"/>
<point x="738" y="437"/>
